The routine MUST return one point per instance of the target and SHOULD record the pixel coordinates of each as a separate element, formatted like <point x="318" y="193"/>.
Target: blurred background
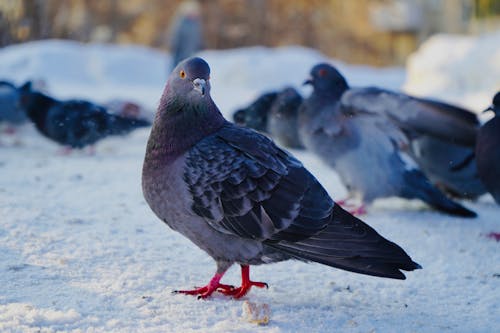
<point x="374" y="32"/>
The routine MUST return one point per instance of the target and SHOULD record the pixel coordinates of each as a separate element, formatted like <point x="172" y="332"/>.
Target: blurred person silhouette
<point x="186" y="37"/>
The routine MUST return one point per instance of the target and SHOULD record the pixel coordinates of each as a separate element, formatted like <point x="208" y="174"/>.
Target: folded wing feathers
<point x="251" y="188"/>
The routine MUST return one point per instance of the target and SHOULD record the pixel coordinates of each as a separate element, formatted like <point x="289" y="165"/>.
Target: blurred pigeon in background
<point x="442" y="136"/>
<point x="242" y="199"/>
<point x="11" y="111"/>
<point x="186" y="34"/>
<point x="366" y="144"/>
<point x="255" y="115"/>
<point x="74" y="123"/>
<point x="283" y="118"/>
<point x="274" y="113"/>
<point x="488" y="151"/>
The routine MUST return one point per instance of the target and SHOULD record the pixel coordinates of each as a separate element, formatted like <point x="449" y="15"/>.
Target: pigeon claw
<point x="204" y="292"/>
<point x="244" y="289"/>
<point x="361" y="210"/>
<point x="208" y="290"/>
<point x="246" y="284"/>
<point x="225" y="289"/>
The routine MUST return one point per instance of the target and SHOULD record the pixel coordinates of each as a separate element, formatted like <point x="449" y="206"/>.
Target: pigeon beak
<point x="200" y="85"/>
<point x="308" y="81"/>
<point x="489" y="108"/>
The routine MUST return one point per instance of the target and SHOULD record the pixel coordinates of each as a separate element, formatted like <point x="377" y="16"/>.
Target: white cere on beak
<point x="200" y="85"/>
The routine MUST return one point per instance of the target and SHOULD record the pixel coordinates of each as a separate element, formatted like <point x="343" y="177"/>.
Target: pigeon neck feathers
<point x="180" y="123"/>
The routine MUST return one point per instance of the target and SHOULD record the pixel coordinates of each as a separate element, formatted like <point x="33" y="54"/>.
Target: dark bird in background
<point x="11" y="111"/>
<point x="362" y="134"/>
<point x="255" y="115"/>
<point x="274" y="113"/>
<point x="283" y="118"/>
<point x="186" y="34"/>
<point x="242" y="199"/>
<point x="488" y="151"/>
<point x="74" y="123"/>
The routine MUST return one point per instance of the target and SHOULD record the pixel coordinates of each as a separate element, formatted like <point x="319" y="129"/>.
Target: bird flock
<point x="243" y="199"/>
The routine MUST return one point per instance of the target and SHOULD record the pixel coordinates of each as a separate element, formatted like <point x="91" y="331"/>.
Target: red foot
<point x="344" y="203"/>
<point x="246" y="284"/>
<point x="209" y="289"/>
<point x="361" y="210"/>
<point x="494" y="235"/>
<point x="228" y="290"/>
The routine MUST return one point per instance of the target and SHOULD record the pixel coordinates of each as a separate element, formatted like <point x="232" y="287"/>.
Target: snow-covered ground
<point x="80" y="251"/>
<point x="460" y="69"/>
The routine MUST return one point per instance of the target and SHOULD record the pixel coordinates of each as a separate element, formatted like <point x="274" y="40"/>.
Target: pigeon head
<point x="495" y="106"/>
<point x="255" y="115"/>
<point x="327" y="80"/>
<point x="190" y="80"/>
<point x="186" y="112"/>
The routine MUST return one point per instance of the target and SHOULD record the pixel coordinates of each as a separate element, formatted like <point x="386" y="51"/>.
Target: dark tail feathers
<point x="418" y="186"/>
<point x="350" y="244"/>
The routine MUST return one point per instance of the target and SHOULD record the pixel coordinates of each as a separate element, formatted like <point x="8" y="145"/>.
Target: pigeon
<point x="11" y="112"/>
<point x="255" y="115"/>
<point x="367" y="149"/>
<point x="274" y="113"/>
<point x="186" y="36"/>
<point x="74" y="123"/>
<point x="442" y="136"/>
<point x="283" y="118"/>
<point x="488" y="151"/>
<point x="242" y="199"/>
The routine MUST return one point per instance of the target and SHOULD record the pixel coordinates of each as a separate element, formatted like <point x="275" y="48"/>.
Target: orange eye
<point x="182" y="74"/>
<point x="322" y="72"/>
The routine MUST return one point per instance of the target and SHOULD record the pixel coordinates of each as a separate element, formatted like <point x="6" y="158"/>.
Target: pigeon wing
<point x="243" y="184"/>
<point x="414" y="115"/>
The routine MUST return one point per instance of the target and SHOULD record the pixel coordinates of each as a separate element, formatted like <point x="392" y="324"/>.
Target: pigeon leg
<point x="208" y="290"/>
<point x="246" y="284"/>
<point x="361" y="210"/>
<point x="346" y="201"/>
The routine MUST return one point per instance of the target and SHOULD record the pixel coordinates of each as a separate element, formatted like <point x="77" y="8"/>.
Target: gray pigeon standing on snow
<point x="274" y="113"/>
<point x="488" y="151"/>
<point x="367" y="150"/>
<point x="283" y="118"/>
<point x="242" y="199"/>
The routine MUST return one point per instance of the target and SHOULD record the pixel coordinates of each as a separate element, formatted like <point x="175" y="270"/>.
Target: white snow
<point x="80" y="251"/>
<point x="455" y="68"/>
